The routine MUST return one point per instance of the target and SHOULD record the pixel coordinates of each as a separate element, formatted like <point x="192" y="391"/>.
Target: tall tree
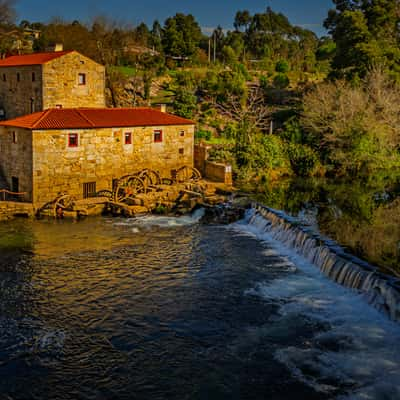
<point x="181" y="36"/>
<point x="366" y="33"/>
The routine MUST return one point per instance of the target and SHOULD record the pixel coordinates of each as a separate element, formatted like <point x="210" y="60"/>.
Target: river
<point x="170" y="308"/>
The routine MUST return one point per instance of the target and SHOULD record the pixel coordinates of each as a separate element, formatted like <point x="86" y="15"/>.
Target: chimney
<point x="163" y="108"/>
<point x="58" y="47"/>
<point x="55" y="47"/>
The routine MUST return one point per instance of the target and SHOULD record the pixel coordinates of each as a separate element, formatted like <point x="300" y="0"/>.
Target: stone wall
<point x="218" y="172"/>
<point x="21" y="96"/>
<point x="61" y="82"/>
<point x="9" y="210"/>
<point x="102" y="156"/>
<point x="200" y="157"/>
<point x="16" y="158"/>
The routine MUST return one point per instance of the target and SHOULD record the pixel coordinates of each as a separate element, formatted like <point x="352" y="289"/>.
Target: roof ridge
<point x="84" y="117"/>
<point x="44" y="114"/>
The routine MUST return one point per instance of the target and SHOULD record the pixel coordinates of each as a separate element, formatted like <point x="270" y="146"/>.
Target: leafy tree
<point x="185" y="103"/>
<point x="366" y="33"/>
<point x="181" y="36"/>
<point x="355" y="128"/>
<point x="242" y="19"/>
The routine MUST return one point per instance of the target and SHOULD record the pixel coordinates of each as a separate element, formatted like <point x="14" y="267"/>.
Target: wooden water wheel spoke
<point x="128" y="187"/>
<point x="187" y="174"/>
<point x="150" y="177"/>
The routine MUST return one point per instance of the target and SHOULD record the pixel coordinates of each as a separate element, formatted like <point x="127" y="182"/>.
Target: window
<point x="157" y="136"/>
<point x="33" y="77"/>
<point x="14" y="137"/>
<point x="89" y="189"/>
<point x="4" y="78"/>
<point x="18" y="77"/>
<point x="182" y="133"/>
<point x="82" y="79"/>
<point x="128" y="137"/>
<point x="181" y="151"/>
<point x="72" y="140"/>
<point x="14" y="184"/>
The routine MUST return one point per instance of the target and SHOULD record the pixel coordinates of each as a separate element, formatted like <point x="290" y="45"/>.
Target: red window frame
<point x="73" y="140"/>
<point x="158" y="136"/>
<point x="128" y="137"/>
<point x="81" y="79"/>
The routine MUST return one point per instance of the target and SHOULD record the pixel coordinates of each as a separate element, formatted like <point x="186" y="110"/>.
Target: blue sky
<point x="208" y="13"/>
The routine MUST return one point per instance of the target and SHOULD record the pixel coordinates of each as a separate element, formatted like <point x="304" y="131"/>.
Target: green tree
<point x="185" y="102"/>
<point x="181" y="36"/>
<point x="366" y="33"/>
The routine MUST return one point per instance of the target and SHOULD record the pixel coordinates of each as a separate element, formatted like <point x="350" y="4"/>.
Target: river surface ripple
<point x="164" y="308"/>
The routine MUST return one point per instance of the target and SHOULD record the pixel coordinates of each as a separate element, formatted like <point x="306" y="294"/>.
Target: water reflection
<point x="362" y="216"/>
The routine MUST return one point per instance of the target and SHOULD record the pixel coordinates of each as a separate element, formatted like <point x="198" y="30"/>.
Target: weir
<point x="380" y="290"/>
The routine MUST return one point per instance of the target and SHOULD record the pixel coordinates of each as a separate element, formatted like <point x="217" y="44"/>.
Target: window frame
<point x="158" y="132"/>
<point x="127" y="138"/>
<point x="70" y="143"/>
<point x="82" y="82"/>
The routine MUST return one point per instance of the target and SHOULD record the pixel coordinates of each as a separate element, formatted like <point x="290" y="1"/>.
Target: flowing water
<point x="362" y="215"/>
<point x="167" y="308"/>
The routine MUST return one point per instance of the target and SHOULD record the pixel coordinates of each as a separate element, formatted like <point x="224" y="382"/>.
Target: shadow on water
<point x="362" y="216"/>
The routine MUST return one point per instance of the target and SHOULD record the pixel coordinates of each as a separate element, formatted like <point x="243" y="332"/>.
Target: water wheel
<point x="128" y="187"/>
<point x="150" y="177"/>
<point x="56" y="207"/>
<point x="187" y="174"/>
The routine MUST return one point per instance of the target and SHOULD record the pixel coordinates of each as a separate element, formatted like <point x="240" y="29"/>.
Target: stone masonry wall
<point x="61" y="84"/>
<point x="218" y="172"/>
<point x="9" y="210"/>
<point x="23" y="96"/>
<point x="16" y="158"/>
<point x="102" y="156"/>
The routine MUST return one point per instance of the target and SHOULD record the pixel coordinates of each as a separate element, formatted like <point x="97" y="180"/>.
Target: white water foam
<point x="358" y="352"/>
<point x="162" y="221"/>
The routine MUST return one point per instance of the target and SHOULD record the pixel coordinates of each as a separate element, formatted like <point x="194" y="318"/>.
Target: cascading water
<point x="381" y="291"/>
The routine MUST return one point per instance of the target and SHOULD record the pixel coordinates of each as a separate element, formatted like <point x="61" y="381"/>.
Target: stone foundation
<point x="10" y="210"/>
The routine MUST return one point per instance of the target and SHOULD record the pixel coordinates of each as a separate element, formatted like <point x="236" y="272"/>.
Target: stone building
<point x="39" y="81"/>
<point x="82" y="150"/>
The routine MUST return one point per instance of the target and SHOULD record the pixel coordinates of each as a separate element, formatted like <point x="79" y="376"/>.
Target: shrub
<point x="282" y="66"/>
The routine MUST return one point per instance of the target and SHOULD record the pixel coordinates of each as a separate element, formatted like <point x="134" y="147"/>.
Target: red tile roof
<point x="90" y="118"/>
<point x="32" y="59"/>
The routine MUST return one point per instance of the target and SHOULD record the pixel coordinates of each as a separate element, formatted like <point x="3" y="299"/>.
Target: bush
<point x="203" y="134"/>
<point x="282" y="66"/>
<point x="281" y="81"/>
<point x="303" y="159"/>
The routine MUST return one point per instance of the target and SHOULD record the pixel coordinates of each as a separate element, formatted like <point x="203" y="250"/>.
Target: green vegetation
<point x="273" y="98"/>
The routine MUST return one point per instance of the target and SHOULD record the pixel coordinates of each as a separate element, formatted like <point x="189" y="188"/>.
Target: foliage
<point x="203" y="134"/>
<point x="281" y="81"/>
<point x="185" y="103"/>
<point x="366" y="33"/>
<point x="282" y="66"/>
<point x="303" y="159"/>
<point x="181" y="36"/>
<point x="355" y="128"/>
